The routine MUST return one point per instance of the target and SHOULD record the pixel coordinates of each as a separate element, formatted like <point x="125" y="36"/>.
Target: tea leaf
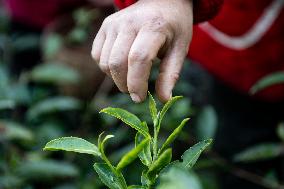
<point x="168" y="105"/>
<point x="7" y="104"/>
<point x="144" y="178"/>
<point x="280" y="131"/>
<point x="145" y="155"/>
<point x="267" y="81"/>
<point x="153" y="108"/>
<point x="178" y="177"/>
<point x="136" y="187"/>
<point x="73" y="144"/>
<point x="192" y="154"/>
<point x="52" y="45"/>
<point x="259" y="152"/>
<point x="55" y="104"/>
<point x="174" y="135"/>
<point x="164" y="111"/>
<point x="46" y="169"/>
<point x="128" y="118"/>
<point x="110" y="178"/>
<point x="54" y="73"/>
<point x="163" y="160"/>
<point x="102" y="149"/>
<point x="132" y="155"/>
<point x="10" y="181"/>
<point x="14" y="131"/>
<point x="207" y="122"/>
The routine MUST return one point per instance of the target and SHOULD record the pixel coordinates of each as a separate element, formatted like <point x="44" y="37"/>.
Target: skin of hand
<point x="129" y="40"/>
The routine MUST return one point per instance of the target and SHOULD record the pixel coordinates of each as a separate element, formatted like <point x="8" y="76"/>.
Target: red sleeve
<point x="203" y="9"/>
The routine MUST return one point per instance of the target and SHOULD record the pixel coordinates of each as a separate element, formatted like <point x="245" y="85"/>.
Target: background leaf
<point x="178" y="178"/>
<point x="260" y="152"/>
<point x="280" y="131"/>
<point x="54" y="73"/>
<point x="206" y="123"/>
<point x="7" y="104"/>
<point x="47" y="169"/>
<point x="54" y="104"/>
<point x="13" y="131"/>
<point x="267" y="81"/>
<point x="52" y="45"/>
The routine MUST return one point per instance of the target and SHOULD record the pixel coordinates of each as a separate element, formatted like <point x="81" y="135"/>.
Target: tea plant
<point x="155" y="158"/>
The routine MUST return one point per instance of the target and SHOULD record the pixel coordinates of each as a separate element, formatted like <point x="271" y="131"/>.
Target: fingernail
<point x="135" y="97"/>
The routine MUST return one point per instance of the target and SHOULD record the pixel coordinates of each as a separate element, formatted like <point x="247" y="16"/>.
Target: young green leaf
<point x="280" y="131"/>
<point x="101" y="145"/>
<point x="144" y="179"/>
<point x="136" y="187"/>
<point x="145" y="155"/>
<point x="128" y="118"/>
<point x="168" y="105"/>
<point x="174" y="135"/>
<point x="259" y="152"/>
<point x="192" y="154"/>
<point x="73" y="144"/>
<point x="157" y="126"/>
<point x="132" y="155"/>
<point x="163" y="160"/>
<point x="153" y="108"/>
<point x="111" y="179"/>
<point x="267" y="81"/>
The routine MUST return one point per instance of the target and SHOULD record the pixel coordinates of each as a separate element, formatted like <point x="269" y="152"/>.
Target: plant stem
<point x="155" y="139"/>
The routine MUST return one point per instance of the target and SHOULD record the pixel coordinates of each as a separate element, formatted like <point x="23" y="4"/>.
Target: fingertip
<point x="163" y="96"/>
<point x="164" y="93"/>
<point x="135" y="98"/>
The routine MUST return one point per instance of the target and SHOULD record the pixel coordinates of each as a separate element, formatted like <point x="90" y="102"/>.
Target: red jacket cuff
<point x="202" y="9"/>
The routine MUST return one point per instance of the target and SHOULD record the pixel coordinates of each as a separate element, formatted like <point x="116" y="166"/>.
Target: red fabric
<point x="238" y="68"/>
<point x="243" y="67"/>
<point x="38" y="13"/>
<point x="203" y="9"/>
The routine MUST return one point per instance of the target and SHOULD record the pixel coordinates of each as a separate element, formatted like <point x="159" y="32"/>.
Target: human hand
<point x="130" y="39"/>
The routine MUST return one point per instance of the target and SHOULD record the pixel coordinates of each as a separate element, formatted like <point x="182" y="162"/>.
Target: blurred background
<point x="50" y="87"/>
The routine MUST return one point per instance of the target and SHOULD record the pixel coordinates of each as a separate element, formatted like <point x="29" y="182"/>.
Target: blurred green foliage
<point x="33" y="111"/>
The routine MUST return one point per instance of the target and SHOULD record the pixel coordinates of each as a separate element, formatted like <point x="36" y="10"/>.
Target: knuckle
<point x="158" y="24"/>
<point x="115" y="65"/>
<point x="108" y="21"/>
<point x="104" y="68"/>
<point x="129" y="21"/>
<point x="139" y="56"/>
<point x="174" y="77"/>
<point x="95" y="56"/>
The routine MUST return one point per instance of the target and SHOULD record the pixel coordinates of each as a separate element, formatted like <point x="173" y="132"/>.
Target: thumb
<point x="170" y="69"/>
